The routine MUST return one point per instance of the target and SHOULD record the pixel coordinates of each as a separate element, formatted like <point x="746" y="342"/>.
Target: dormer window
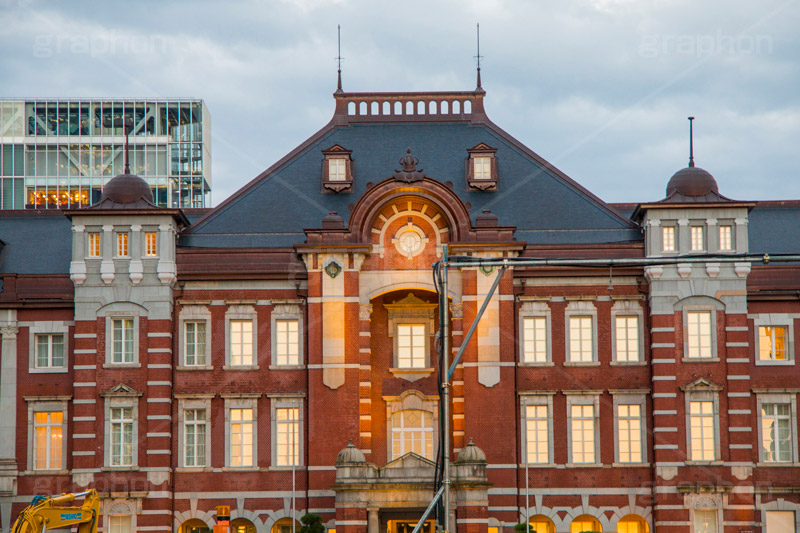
<point x="482" y="168"/>
<point x="337" y="170"/>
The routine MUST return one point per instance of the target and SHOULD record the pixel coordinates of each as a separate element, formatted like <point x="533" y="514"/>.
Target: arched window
<point x="542" y="524"/>
<point x="632" y="524"/>
<point x="242" y="525"/>
<point x="584" y="524"/>
<point x="412" y="431"/>
<point x="284" y="525"/>
<point x="194" y="525"/>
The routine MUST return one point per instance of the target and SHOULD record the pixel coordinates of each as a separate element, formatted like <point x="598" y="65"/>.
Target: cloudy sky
<point x="600" y="88"/>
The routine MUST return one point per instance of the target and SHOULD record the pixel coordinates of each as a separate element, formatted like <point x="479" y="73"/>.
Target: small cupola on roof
<point x="126" y="191"/>
<point x="693" y="184"/>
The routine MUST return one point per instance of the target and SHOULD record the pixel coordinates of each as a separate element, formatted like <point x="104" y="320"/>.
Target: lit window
<point x="632" y="524"/>
<point x="50" y="350"/>
<point x="779" y="521"/>
<point x="241" y="342"/>
<point x="94" y="245"/>
<point x="725" y="238"/>
<point x="583" y="434"/>
<point x="337" y="169"/>
<point x="287" y="429"/>
<point x="195" y="343"/>
<point x="122" y="345"/>
<point x="701" y="429"/>
<point x="668" y="238"/>
<point x="542" y="524"/>
<point x="629" y="436"/>
<point x="538" y="434"/>
<point x="772" y="343"/>
<point x="580" y="339"/>
<point x="627" y="338"/>
<point x="534" y="339"/>
<point x="151" y="244"/>
<point x="697" y="241"/>
<point x="482" y="168"/>
<point x="287" y="342"/>
<point x="122" y="436"/>
<point x="776" y="435"/>
<point x="412" y="431"/>
<point x="585" y="523"/>
<point x="241" y="432"/>
<point x="120" y="523"/>
<point x="698" y="325"/>
<point x="48" y="435"/>
<point x="411" y="346"/>
<point x="194" y="435"/>
<point x="122" y="245"/>
<point x="705" y="521"/>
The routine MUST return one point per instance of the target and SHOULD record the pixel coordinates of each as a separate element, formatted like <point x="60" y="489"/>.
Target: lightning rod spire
<point x="339" y="58"/>
<point x="691" y="143"/>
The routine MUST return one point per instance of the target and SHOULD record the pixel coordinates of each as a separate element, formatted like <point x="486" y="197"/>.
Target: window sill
<point x="44" y="473"/>
<point x="241" y="469"/>
<point x="704" y="463"/>
<point x="286" y="367"/>
<point x="283" y="468"/>
<point x="194" y="469"/>
<point x="628" y="363"/>
<point x="700" y="360"/>
<point x="631" y="465"/>
<point x="524" y="364"/>
<point x="774" y="362"/>
<point x="241" y="367"/>
<point x="411" y="374"/>
<point x="193" y="368"/>
<point x="582" y="363"/>
<point x="538" y="465"/>
<point x="777" y="464"/>
<point x="584" y="465"/>
<point x="122" y="365"/>
<point x="54" y="370"/>
<point x="120" y="469"/>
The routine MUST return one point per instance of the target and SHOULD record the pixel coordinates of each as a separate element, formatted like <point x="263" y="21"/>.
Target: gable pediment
<point x="120" y="389"/>
<point x="701" y="384"/>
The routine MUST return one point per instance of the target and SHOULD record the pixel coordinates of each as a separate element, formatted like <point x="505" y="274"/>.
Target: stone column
<point x="373" y="522"/>
<point x="8" y="404"/>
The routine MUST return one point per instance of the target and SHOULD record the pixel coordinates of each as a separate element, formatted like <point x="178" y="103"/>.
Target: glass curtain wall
<point x="60" y="154"/>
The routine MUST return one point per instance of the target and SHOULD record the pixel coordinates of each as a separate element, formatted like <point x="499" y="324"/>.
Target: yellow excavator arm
<point x="50" y="513"/>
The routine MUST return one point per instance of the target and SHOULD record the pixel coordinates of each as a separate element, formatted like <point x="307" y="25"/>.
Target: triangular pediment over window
<point x="408" y="461"/>
<point x="701" y="384"/>
<point x="121" y="389"/>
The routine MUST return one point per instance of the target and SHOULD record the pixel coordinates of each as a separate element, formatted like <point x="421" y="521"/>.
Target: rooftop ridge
<point x="427" y="106"/>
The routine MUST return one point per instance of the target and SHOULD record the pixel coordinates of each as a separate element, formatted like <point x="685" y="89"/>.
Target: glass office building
<point x="58" y="154"/>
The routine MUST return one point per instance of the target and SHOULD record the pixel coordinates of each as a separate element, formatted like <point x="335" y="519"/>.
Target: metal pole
<point x="527" y="483"/>
<point x="294" y="410"/>
<point x="446" y="392"/>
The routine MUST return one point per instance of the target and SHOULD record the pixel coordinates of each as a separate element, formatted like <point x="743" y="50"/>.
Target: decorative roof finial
<point x="691" y="143"/>
<point x="127" y="166"/>
<point x="479" y="56"/>
<point x="339" y="58"/>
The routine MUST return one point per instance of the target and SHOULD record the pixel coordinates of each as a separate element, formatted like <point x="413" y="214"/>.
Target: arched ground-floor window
<point x="541" y="524"/>
<point x="284" y="525"/>
<point x="194" y="525"/>
<point x="585" y="523"/>
<point x="632" y="523"/>
<point x="242" y="525"/>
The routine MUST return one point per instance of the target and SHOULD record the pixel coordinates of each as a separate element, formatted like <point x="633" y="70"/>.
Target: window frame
<point x="673" y="225"/>
<point x="411" y="400"/>
<point x="281" y="313"/>
<point x="771" y="397"/>
<point x="147" y="235"/>
<point x="197" y="314"/>
<point x="785" y="320"/>
<point x="700" y="229"/>
<point x="730" y="224"/>
<point x="89" y="249"/>
<point x="627" y="308"/>
<point x="189" y="403"/>
<point x="702" y="391"/>
<point x="535" y="310"/>
<point x="123" y="243"/>
<point x="712" y="311"/>
<point x="584" y="398"/>
<point x="537" y="399"/>
<point x="121" y="397"/>
<point x="241" y="401"/>
<point x="410" y="310"/>
<point x="279" y="402"/>
<point x="48" y="328"/>
<point x="47" y="404"/>
<point x="241" y="313"/>
<point x="580" y="308"/>
<point x="109" y="334"/>
<point x="631" y="397"/>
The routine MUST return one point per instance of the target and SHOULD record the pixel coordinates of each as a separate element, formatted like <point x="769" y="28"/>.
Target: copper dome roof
<point x="126" y="191"/>
<point x="692" y="181"/>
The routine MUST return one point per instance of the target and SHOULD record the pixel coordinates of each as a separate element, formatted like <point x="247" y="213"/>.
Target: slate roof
<point x="774" y="227"/>
<point x="546" y="208"/>
<point x="35" y="242"/>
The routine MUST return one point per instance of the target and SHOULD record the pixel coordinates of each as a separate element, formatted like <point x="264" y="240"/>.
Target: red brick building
<point x="279" y="353"/>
